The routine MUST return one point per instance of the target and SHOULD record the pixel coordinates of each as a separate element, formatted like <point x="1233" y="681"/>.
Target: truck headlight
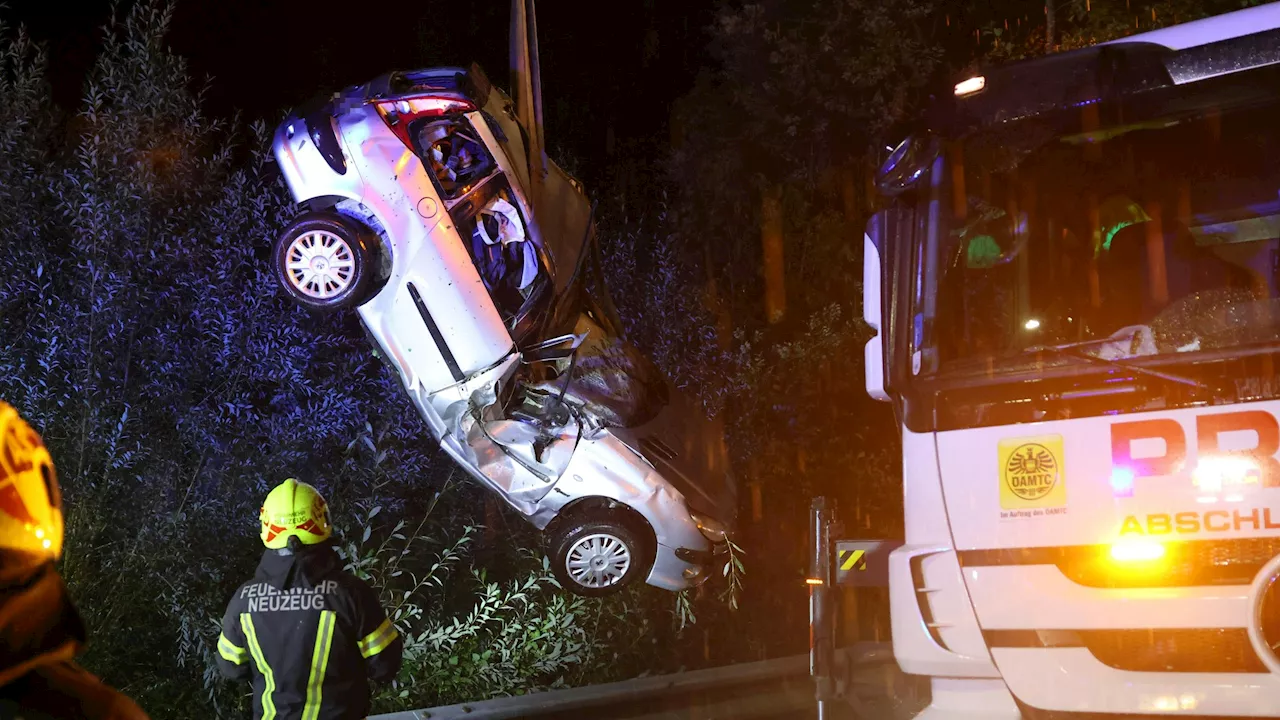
<point x="712" y="529"/>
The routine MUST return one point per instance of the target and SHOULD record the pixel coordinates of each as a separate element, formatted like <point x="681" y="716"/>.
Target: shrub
<point x="142" y="333"/>
<point x="517" y="636"/>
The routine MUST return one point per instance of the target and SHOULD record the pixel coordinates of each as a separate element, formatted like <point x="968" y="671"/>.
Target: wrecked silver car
<point x="432" y="210"/>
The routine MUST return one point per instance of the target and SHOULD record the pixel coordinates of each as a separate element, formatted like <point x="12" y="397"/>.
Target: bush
<point x="473" y="632"/>
<point x="654" y="279"/>
<point x="141" y="332"/>
<point x="143" y="335"/>
<point x="518" y="636"/>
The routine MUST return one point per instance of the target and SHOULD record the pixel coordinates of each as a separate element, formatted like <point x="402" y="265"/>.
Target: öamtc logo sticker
<point x="1032" y="473"/>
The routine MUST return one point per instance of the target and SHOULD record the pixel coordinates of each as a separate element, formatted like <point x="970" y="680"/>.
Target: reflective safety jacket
<point x="310" y="636"/>
<point x="40" y="633"/>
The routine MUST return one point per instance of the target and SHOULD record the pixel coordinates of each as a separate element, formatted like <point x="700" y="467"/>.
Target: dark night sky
<point x="266" y="55"/>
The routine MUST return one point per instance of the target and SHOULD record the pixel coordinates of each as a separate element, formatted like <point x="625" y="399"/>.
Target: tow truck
<point x="1075" y="285"/>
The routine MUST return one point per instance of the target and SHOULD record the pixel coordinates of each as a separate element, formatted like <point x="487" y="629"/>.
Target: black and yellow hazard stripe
<point x="378" y="640"/>
<point x="268" y="704"/>
<point x="319" y="665"/>
<point x="231" y="652"/>
<point x="849" y="559"/>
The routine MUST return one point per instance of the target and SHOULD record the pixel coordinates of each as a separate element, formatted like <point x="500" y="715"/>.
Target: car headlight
<point x="712" y="529"/>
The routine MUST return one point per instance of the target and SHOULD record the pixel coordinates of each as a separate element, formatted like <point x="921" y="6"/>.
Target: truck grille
<point x="1186" y="563"/>
<point x="1212" y="650"/>
<point x="1190" y="563"/>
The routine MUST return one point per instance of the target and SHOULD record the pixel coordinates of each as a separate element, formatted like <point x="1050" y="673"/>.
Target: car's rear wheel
<point x="599" y="556"/>
<point x="324" y="261"/>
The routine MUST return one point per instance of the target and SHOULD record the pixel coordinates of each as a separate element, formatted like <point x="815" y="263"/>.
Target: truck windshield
<point x="1158" y="238"/>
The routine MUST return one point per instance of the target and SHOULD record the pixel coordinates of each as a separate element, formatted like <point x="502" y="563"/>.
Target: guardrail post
<point x="821" y="632"/>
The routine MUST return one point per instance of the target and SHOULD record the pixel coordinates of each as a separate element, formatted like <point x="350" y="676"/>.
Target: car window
<point x="486" y="213"/>
<point x="457" y="158"/>
<point x="491" y="224"/>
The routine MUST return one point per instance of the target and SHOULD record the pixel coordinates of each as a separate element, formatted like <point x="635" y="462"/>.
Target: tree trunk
<point x="850" y="200"/>
<point x="1049" y="29"/>
<point x="775" y="293"/>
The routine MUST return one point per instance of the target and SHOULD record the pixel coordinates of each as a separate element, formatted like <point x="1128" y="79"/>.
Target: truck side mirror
<point x="907" y="163"/>
<point x="874" y="352"/>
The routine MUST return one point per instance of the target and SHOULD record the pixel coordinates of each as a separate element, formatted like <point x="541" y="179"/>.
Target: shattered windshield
<point x="1153" y="239"/>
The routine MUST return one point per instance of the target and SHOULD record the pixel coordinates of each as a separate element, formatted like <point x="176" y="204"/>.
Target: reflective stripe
<point x="231" y="652"/>
<point x="319" y="663"/>
<point x="268" y="705"/>
<point x="378" y="640"/>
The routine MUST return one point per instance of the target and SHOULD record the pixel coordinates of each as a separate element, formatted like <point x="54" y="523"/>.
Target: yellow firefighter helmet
<point x="30" y="502"/>
<point x="294" y="509"/>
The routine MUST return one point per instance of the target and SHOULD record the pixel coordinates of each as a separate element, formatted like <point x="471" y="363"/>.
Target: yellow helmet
<point x="294" y="509"/>
<point x="30" y="503"/>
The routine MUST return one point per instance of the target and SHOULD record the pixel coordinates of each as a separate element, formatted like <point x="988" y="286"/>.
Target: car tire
<point x="325" y="261"/>
<point x="594" y="557"/>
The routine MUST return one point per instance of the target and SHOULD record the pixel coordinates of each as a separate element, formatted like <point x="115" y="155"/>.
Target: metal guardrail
<point x="780" y="676"/>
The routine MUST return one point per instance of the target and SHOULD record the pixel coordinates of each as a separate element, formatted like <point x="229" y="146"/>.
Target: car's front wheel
<point x="324" y="261"/>
<point x="596" y="557"/>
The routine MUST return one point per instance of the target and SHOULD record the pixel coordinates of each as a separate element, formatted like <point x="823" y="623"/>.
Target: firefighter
<point x="40" y="630"/>
<point x="308" y="634"/>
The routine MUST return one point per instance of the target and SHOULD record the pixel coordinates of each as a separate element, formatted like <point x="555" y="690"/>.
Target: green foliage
<point x="142" y="333"/>
<point x="685" y="615"/>
<point x="1080" y="23"/>
<point x="804" y="85"/>
<point x="802" y="94"/>
<point x="801" y="98"/>
<point x="653" y="279"/>
<point x="469" y="635"/>
<point x="734" y="571"/>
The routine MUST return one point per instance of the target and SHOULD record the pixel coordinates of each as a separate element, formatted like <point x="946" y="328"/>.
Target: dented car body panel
<point x="480" y="275"/>
<point x="604" y="466"/>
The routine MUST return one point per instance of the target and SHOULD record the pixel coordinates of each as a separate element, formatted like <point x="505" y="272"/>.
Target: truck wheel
<point x="597" y="557"/>
<point x="324" y="261"/>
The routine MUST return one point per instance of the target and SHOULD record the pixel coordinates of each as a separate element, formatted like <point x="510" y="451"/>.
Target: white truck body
<point x="1105" y="559"/>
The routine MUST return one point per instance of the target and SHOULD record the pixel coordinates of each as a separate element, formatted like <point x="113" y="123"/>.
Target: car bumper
<point x="682" y="568"/>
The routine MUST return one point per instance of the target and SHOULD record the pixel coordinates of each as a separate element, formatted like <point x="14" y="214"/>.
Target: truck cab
<point x="1075" y="284"/>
